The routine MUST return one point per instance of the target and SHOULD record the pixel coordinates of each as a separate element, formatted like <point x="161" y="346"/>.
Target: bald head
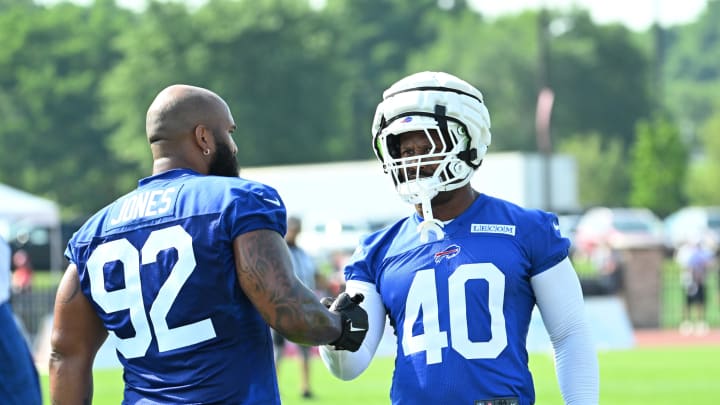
<point x="191" y="127"/>
<point x="178" y="109"/>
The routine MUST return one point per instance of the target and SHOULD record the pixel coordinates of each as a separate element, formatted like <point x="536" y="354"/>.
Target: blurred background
<point x="607" y="113"/>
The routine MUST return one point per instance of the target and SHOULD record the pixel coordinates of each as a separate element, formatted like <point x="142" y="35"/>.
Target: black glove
<point x="354" y="321"/>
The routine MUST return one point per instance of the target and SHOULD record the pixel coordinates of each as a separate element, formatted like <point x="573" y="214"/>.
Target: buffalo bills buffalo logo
<point x="448" y="253"/>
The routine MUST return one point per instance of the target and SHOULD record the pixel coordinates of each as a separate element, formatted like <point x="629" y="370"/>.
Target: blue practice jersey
<point x="158" y="266"/>
<point x="461" y="306"/>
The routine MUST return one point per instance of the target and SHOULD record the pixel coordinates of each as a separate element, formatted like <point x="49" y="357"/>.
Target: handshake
<point x="354" y="320"/>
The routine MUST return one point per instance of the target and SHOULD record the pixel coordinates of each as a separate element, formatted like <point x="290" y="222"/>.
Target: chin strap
<point x="429" y="224"/>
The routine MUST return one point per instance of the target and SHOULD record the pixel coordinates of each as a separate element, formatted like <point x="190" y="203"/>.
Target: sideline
<point x="671" y="337"/>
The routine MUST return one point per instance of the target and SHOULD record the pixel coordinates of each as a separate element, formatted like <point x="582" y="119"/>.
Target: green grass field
<point x="657" y="376"/>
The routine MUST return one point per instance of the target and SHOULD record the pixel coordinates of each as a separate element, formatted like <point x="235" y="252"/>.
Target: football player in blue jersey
<point x="186" y="273"/>
<point x="19" y="380"/>
<point x="459" y="279"/>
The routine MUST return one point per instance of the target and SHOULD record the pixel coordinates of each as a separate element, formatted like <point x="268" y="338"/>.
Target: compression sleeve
<point x="347" y="365"/>
<point x="560" y="301"/>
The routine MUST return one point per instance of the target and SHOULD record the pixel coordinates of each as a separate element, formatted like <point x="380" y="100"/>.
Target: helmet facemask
<point x="441" y="168"/>
<point x="420" y="176"/>
<point x="454" y="121"/>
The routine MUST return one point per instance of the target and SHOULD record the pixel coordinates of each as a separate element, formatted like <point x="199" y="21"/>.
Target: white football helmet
<point x="438" y="104"/>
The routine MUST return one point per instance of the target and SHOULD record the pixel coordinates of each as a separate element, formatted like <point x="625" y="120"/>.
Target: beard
<point x="224" y="162"/>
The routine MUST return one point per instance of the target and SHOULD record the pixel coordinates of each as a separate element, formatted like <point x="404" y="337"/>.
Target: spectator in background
<point x="23" y="273"/>
<point x="306" y="271"/>
<point x="695" y="261"/>
<point x="607" y="263"/>
<point x="336" y="281"/>
<point x="19" y="383"/>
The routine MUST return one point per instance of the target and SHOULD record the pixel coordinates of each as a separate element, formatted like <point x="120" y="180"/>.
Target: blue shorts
<point x="19" y="382"/>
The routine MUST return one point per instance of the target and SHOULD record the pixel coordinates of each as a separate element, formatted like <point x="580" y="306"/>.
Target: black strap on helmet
<point x="433" y="88"/>
<point x="441" y="119"/>
<point x="468" y="155"/>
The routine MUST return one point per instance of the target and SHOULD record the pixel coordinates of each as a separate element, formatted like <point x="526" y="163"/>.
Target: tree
<point x="658" y="166"/>
<point x="692" y="71"/>
<point x="602" y="171"/>
<point x="278" y="65"/>
<point x="374" y="39"/>
<point x="703" y="185"/>
<point x="54" y="58"/>
<point x="503" y="66"/>
<point x="303" y="83"/>
<point x="601" y="79"/>
<point x="273" y="65"/>
<point x="599" y="74"/>
<point x="151" y="59"/>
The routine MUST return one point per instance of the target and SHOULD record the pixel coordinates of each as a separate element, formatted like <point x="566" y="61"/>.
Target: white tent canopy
<point x="19" y="209"/>
<point x="19" y="206"/>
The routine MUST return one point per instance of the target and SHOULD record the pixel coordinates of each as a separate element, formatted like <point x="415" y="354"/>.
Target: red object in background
<point x="603" y="226"/>
<point x="22" y="273"/>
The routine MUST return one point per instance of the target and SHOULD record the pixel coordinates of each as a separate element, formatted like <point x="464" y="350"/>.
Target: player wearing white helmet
<point x="460" y="295"/>
<point x="433" y="103"/>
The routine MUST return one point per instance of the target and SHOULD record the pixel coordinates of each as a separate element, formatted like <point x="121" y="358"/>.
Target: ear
<point x="203" y="138"/>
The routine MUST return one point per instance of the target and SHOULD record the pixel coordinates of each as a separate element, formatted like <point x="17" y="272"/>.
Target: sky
<point x="635" y="14"/>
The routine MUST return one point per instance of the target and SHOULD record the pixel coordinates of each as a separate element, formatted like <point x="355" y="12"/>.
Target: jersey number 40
<point x="422" y="297"/>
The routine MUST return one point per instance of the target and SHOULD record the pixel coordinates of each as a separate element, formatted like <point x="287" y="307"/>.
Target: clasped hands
<point x="354" y="320"/>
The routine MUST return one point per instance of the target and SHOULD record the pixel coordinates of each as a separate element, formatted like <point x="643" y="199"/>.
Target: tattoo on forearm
<point x="266" y="273"/>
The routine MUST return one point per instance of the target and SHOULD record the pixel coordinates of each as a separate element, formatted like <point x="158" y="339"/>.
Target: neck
<point x="177" y="155"/>
<point x="161" y="165"/>
<point x="448" y="205"/>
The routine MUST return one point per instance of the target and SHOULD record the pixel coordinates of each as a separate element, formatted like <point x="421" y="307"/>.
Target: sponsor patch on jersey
<point x="448" y="253"/>
<point x="498" y="401"/>
<point x="493" y="228"/>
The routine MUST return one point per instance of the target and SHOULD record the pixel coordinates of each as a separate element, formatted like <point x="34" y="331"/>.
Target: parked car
<point x="613" y="227"/>
<point x="692" y="224"/>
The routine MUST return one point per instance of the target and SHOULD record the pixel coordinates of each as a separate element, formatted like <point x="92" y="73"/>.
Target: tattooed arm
<point x="265" y="273"/>
<point x="77" y="335"/>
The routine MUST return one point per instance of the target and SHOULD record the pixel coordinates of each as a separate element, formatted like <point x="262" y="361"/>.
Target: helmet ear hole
<point x="459" y="169"/>
<point x="482" y="150"/>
